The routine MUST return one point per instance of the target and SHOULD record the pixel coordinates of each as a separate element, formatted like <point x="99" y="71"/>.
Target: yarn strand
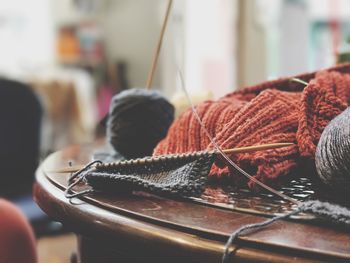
<point x="247" y="229"/>
<point x="327" y="211"/>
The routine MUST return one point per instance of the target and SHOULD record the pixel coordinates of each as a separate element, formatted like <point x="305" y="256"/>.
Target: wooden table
<point x="131" y="228"/>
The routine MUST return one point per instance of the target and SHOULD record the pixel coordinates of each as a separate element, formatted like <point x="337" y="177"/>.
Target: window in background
<point x="304" y="35"/>
<point x="201" y="41"/>
<point x="329" y="31"/>
<point x="26" y="37"/>
<point x="209" y="45"/>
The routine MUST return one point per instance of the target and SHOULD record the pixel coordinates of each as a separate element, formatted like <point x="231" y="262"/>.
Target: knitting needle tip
<point x="261" y="147"/>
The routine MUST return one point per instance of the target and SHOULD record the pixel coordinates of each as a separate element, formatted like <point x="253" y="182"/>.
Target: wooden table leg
<point x="95" y="251"/>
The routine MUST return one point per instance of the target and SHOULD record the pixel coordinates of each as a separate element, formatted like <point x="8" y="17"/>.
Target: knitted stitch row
<point x="274" y="111"/>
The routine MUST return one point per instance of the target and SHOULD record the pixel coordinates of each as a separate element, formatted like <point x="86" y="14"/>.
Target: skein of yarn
<point x="138" y="120"/>
<point x="333" y="154"/>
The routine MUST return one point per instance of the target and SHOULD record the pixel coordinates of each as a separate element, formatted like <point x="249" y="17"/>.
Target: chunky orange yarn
<point x="274" y="111"/>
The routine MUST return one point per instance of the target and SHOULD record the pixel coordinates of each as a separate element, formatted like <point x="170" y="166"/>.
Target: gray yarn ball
<point x="333" y="154"/>
<point x="138" y="119"/>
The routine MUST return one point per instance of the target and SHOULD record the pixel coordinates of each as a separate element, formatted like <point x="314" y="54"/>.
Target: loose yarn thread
<point x="330" y="212"/>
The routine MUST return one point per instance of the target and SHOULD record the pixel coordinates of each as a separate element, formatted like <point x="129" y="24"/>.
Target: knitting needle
<point x="254" y="148"/>
<point x="160" y="41"/>
<point x="247" y="149"/>
<point x="299" y="81"/>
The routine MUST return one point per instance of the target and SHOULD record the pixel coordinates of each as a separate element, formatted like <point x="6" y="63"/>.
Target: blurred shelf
<point x="77" y="62"/>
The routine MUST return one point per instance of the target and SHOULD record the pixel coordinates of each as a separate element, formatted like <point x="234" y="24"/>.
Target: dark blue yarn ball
<point x="138" y="119"/>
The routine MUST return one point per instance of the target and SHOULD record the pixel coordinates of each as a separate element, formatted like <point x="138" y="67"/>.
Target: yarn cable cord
<point x="224" y="155"/>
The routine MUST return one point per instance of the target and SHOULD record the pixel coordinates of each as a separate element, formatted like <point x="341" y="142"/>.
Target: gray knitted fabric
<point x="173" y="175"/>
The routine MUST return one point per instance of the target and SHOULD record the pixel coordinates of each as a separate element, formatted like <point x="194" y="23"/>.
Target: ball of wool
<point x="333" y="154"/>
<point x="138" y="120"/>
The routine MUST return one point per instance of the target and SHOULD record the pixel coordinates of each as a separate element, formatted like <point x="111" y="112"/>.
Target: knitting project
<point x="173" y="175"/>
<point x="274" y="111"/>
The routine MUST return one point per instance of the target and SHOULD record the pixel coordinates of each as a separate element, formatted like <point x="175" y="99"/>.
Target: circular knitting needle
<point x="247" y="149"/>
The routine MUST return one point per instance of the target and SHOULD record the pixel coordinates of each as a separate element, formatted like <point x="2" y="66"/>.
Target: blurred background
<point x="78" y="53"/>
<point x="74" y="55"/>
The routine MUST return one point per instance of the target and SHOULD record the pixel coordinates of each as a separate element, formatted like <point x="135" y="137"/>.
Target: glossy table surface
<point x="163" y="225"/>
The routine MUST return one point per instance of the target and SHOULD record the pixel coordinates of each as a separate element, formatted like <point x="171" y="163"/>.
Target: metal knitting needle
<point x="247" y="149"/>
